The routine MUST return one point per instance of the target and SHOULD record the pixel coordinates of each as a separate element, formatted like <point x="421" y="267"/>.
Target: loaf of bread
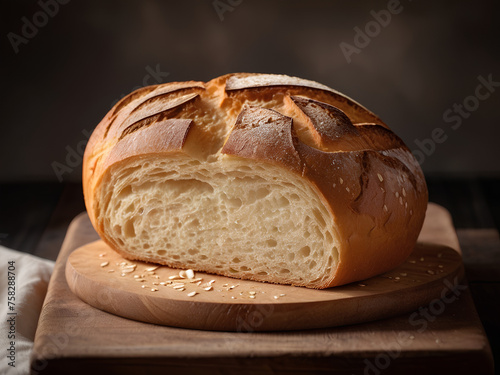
<point x="254" y="176"/>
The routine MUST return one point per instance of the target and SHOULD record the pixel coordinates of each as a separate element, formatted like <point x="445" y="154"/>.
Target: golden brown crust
<point x="329" y="124"/>
<point x="263" y="134"/>
<point x="163" y="136"/>
<point x="366" y="177"/>
<point x="238" y="84"/>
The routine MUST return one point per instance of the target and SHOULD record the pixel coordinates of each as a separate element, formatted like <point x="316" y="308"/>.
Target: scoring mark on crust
<point x="151" y="101"/>
<point x="162" y="95"/>
<point x="163" y="136"/>
<point x="266" y="134"/>
<point x="138" y="121"/>
<point x="327" y="123"/>
<point x="240" y="83"/>
<point x="271" y="80"/>
<point x="110" y="124"/>
<point x="132" y="96"/>
<point x="378" y="137"/>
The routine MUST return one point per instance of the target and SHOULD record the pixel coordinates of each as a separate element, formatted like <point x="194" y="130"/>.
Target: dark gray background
<point x="429" y="56"/>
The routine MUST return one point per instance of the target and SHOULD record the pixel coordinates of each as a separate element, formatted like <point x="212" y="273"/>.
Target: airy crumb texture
<point x="223" y="216"/>
<point x="262" y="177"/>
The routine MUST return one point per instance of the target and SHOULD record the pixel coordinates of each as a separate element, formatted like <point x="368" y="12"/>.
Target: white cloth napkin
<point x="32" y="276"/>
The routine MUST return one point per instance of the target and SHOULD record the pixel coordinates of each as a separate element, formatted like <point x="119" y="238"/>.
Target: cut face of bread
<point x="262" y="177"/>
<point x="223" y="217"/>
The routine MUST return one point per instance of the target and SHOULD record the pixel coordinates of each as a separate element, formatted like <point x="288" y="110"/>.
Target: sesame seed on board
<point x="184" y="280"/>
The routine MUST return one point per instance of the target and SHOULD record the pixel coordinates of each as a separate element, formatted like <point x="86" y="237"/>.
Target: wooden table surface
<point x="35" y="216"/>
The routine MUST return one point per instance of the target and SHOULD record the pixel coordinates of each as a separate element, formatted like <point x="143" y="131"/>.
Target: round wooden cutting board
<point x="145" y="292"/>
